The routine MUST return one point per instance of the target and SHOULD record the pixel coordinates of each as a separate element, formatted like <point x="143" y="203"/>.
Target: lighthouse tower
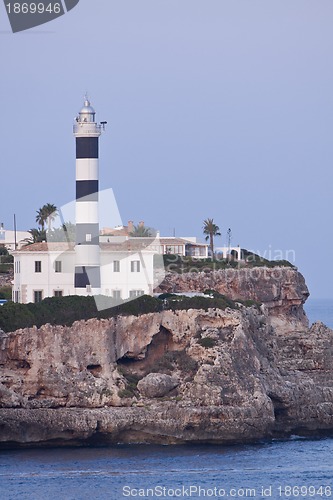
<point x="87" y="252"/>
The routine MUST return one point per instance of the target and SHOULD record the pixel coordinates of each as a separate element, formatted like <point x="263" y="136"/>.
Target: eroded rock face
<point x="201" y="376"/>
<point x="282" y="289"/>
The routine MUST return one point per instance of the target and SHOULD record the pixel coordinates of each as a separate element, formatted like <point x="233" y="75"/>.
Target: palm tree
<point x="64" y="233"/>
<point x="47" y="214"/>
<point x="211" y="230"/>
<point x="51" y="212"/>
<point x="142" y="231"/>
<point x="37" y="235"/>
<point x="41" y="217"/>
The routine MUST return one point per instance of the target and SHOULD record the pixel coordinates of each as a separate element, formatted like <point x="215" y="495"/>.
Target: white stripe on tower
<point x="87" y="252"/>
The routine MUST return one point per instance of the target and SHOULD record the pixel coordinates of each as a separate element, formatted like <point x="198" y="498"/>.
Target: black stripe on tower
<point x="86" y="147"/>
<point x="87" y="190"/>
<point x="87" y="234"/>
<point x="87" y="275"/>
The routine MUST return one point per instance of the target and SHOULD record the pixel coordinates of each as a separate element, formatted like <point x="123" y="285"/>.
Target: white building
<point x="8" y="238"/>
<point x="47" y="269"/>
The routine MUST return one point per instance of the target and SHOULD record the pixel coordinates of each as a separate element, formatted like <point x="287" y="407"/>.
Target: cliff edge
<point x="215" y="376"/>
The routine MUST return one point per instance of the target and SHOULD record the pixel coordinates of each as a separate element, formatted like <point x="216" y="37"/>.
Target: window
<point x="58" y="266"/>
<point x="16" y="296"/>
<point x="38" y="296"/>
<point x="116" y="266"/>
<point x="38" y="266"/>
<point x="135" y="266"/>
<point x="17" y="267"/>
<point x="116" y="294"/>
<point x="88" y="237"/>
<point x="58" y="293"/>
<point x="136" y="293"/>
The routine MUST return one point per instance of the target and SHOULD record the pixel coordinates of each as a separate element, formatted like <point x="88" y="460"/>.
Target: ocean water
<point x="284" y="469"/>
<point x="294" y="468"/>
<point x="320" y="309"/>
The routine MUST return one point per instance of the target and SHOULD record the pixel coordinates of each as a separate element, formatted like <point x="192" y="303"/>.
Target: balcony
<point x="83" y="128"/>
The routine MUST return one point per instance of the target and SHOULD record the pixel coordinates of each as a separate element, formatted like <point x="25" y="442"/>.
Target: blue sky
<point x="215" y="108"/>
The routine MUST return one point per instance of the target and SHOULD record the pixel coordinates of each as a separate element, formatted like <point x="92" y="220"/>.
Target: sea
<point x="293" y="468"/>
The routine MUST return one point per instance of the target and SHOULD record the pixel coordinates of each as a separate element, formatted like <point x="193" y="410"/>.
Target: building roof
<point x="48" y="247"/>
<point x="130" y="244"/>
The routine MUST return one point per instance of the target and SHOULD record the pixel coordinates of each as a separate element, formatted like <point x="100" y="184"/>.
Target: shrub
<point x="14" y="316"/>
<point x="250" y="303"/>
<point x="175" y="359"/>
<point x="185" y="362"/>
<point x="6" y="292"/>
<point x="131" y="381"/>
<point x="6" y="268"/>
<point x="7" y="259"/>
<point x="3" y="250"/>
<point x="207" y="342"/>
<point x="125" y="393"/>
<point x="66" y="310"/>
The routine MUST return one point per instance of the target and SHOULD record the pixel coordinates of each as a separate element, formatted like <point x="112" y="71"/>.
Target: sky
<point x="216" y="109"/>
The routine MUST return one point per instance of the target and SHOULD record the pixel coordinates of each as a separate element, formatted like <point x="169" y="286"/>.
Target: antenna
<point x="15" y="240"/>
<point x="103" y="124"/>
<point x="229" y="234"/>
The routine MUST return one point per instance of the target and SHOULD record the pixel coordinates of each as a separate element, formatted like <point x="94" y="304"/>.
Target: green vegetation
<point x="125" y="393"/>
<point x="66" y="310"/>
<point x="5" y="256"/>
<point x="142" y="231"/>
<point x="210" y="229"/>
<point x="180" y="264"/>
<point x="6" y="268"/>
<point x="66" y="232"/>
<point x="6" y="292"/>
<point x="46" y="215"/>
<point x="207" y="342"/>
<point x="254" y="260"/>
<point x="7" y="259"/>
<point x="37" y="236"/>
<point x="175" y="359"/>
<point x="131" y="381"/>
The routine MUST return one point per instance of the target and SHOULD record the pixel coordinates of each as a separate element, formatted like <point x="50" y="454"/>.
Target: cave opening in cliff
<point x="152" y="357"/>
<point x="95" y="370"/>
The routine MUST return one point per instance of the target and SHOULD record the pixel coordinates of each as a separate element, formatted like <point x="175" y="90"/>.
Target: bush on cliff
<point x="14" y="316"/>
<point x="6" y="292"/>
<point x="183" y="264"/>
<point x="66" y="310"/>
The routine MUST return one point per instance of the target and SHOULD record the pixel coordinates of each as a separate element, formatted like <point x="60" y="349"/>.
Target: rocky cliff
<point x="219" y="376"/>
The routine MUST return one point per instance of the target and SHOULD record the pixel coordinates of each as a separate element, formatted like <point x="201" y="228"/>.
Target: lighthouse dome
<point x="87" y="108"/>
<point x="87" y="113"/>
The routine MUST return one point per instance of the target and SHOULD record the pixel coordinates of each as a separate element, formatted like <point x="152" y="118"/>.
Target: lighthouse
<point x="87" y="278"/>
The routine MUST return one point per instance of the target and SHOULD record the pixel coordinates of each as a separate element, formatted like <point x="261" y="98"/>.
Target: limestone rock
<point x="241" y="374"/>
<point x="156" y="385"/>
